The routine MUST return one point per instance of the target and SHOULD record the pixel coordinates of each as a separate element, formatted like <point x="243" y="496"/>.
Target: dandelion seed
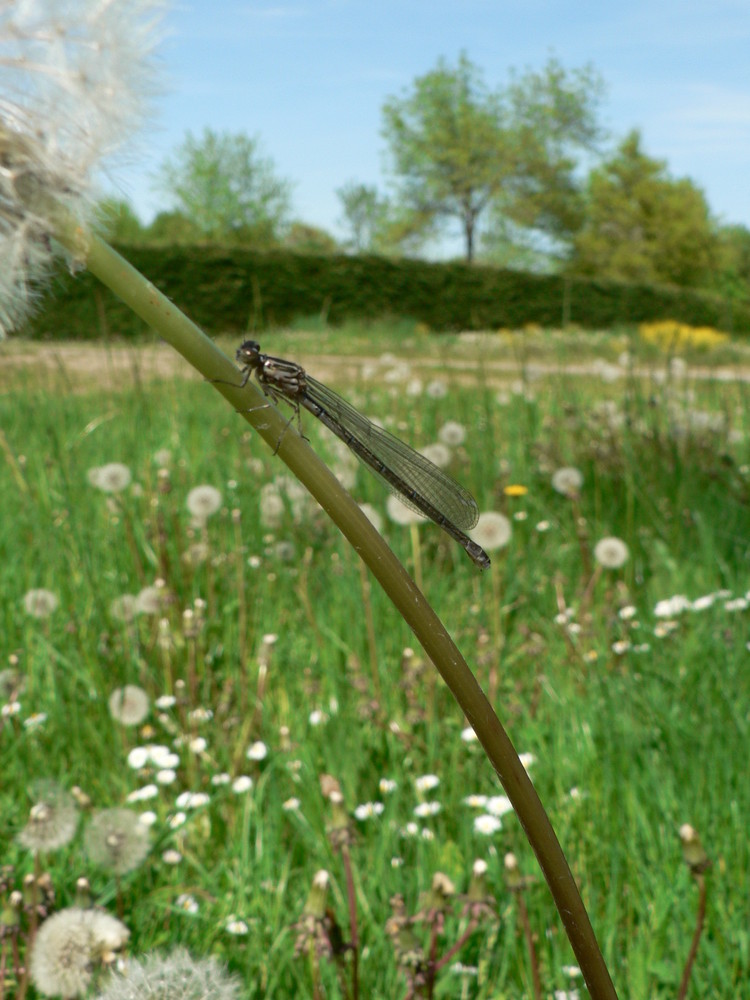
<point x="611" y="553"/>
<point x="40" y="603"/>
<point x="128" y="705"/>
<point x="111" y="478"/>
<point x="69" y="945"/>
<point x="53" y="818"/>
<point x="116" y="840"/>
<point x="203" y="501"/>
<point x="492" y="531"/>
<point x="176" y="976"/>
<point x="568" y="481"/>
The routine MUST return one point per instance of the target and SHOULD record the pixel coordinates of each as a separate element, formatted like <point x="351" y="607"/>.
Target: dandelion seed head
<point x="128" y="705"/>
<point x="53" y="818"/>
<point x="492" y="530"/>
<point x="117" y="840"/>
<point x="68" y="946"/>
<point x="40" y="603"/>
<point x="76" y="80"/>
<point x="611" y="553"/>
<point x="203" y="501"/>
<point x="111" y="478"/>
<point x="452" y="433"/>
<point x="568" y="481"/>
<point x="175" y="976"/>
<point x="438" y="453"/>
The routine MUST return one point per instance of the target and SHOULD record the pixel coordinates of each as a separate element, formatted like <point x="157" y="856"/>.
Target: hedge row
<point x="238" y="290"/>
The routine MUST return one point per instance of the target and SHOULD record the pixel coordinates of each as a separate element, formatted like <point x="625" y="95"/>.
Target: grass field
<point x="270" y="662"/>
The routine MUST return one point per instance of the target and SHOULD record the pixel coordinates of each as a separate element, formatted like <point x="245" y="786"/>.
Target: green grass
<point x="652" y="737"/>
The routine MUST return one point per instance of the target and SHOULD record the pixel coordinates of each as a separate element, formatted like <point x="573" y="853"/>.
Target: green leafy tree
<point x="643" y="225"/>
<point x="363" y="215"/>
<point x="459" y="149"/>
<point x="119" y="221"/>
<point x="446" y="145"/>
<point x="733" y="271"/>
<point x="225" y="188"/>
<point x="173" y="228"/>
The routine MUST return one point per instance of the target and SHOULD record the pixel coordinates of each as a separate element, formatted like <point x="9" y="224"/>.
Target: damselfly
<point x="417" y="481"/>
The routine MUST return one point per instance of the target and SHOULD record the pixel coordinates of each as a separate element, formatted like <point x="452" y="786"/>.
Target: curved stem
<point x="145" y="300"/>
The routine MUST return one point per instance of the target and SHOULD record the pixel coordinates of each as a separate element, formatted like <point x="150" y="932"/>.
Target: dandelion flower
<point x="53" y="818"/>
<point x="611" y="553"/>
<point x="149" y="601"/>
<point x="111" y="478"/>
<point x="68" y="947"/>
<point x="128" y="705"/>
<point x="568" y="481"/>
<point x="175" y="976"/>
<point x="117" y="840"/>
<point x="492" y="531"/>
<point x="40" y="603"/>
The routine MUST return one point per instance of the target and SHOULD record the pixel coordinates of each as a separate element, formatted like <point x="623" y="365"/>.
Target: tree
<point x="363" y="215"/>
<point x="446" y="144"/>
<point x="119" y="220"/>
<point x="643" y="225"/>
<point x="733" y="271"/>
<point x="458" y="148"/>
<point x="227" y="190"/>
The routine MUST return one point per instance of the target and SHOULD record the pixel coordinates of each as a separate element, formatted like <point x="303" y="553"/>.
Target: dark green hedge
<point x="239" y="290"/>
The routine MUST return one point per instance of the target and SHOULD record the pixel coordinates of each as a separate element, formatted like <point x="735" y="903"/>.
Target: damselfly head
<point x="248" y="353"/>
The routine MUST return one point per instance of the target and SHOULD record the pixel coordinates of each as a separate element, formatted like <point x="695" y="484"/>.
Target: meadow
<point x="186" y="636"/>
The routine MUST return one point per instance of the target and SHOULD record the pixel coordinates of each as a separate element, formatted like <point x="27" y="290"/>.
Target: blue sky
<point x="309" y="77"/>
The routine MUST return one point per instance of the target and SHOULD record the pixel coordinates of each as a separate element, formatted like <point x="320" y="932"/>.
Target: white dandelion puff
<point x="76" y="80"/>
<point x="176" y="976"/>
<point x="568" y="481"/>
<point x="203" y="501"/>
<point x="40" y="603"/>
<point x="111" y="478"/>
<point x="69" y="946"/>
<point x="492" y="531"/>
<point x="611" y="553"/>
<point x="128" y="705"/>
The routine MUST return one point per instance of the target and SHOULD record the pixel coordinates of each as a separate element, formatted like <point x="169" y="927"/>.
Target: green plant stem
<point x="175" y="328"/>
